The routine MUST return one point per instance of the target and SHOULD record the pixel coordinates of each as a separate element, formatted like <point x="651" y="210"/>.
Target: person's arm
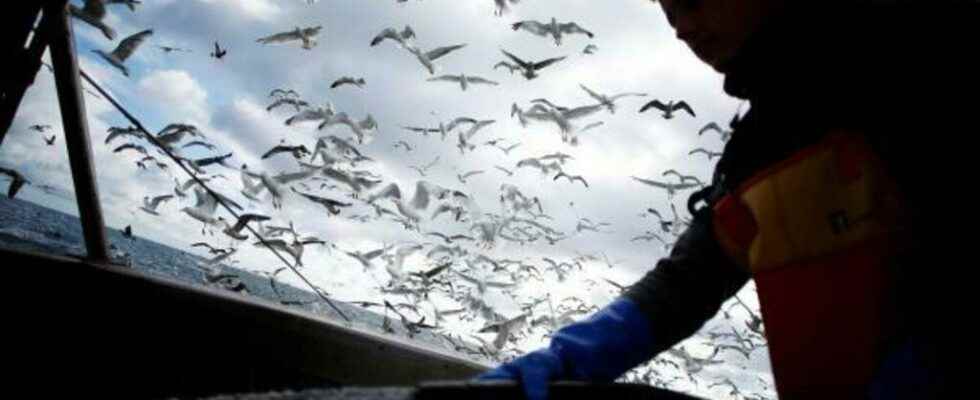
<point x="687" y="288"/>
<point x="665" y="306"/>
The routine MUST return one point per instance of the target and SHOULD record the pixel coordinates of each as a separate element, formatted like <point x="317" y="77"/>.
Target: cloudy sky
<point x="226" y="99"/>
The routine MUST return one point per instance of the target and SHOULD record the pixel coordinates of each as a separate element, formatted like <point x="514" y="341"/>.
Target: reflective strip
<point x="829" y="200"/>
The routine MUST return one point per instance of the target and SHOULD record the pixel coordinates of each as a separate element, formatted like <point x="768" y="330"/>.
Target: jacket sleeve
<point x="687" y="288"/>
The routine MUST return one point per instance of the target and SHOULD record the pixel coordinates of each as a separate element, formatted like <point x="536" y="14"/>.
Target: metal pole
<point x="73" y="119"/>
<point x="26" y="62"/>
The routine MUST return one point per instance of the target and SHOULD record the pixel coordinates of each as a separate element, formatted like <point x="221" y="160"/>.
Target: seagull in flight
<point x="561" y="157"/>
<point x="346" y="80"/>
<point x="279" y="93"/>
<point x="306" y="35"/>
<point x="218" y="52"/>
<point x="608" y="101"/>
<point x="235" y="231"/>
<point x="298" y="152"/>
<point x="50" y="141"/>
<point x="671" y="188"/>
<point x="463" y="80"/>
<point x="423" y="131"/>
<point x="648" y="236"/>
<point x="562" y="118"/>
<point x="130" y="146"/>
<point x="403" y="144"/>
<point x="126" y="48"/>
<point x="363" y="130"/>
<point x="422" y="169"/>
<point x="529" y="69"/>
<point x="312" y="114"/>
<point x="93" y="12"/>
<point x="590" y="49"/>
<point x="211" y="249"/>
<point x="711" y="154"/>
<point x="553" y="29"/>
<point x="39" y="128"/>
<point x="545" y="169"/>
<point x="684" y="178"/>
<point x="171" y="49"/>
<point x="669" y="108"/>
<point x="427" y="58"/>
<point x="504" y="170"/>
<point x="296" y="103"/>
<point x="571" y="178"/>
<point x="713" y="126"/>
<point x="131" y="4"/>
<point x="200" y="143"/>
<point x="449" y="239"/>
<point x="507" y="149"/>
<point x="402" y="38"/>
<point x="462" y="177"/>
<point x="117" y="132"/>
<point x="501" y="6"/>
<point x="17" y="181"/>
<point x="332" y="206"/>
<point x="150" y="204"/>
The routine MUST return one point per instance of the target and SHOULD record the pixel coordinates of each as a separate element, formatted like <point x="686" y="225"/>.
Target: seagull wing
<point x="390" y="191"/>
<point x="438" y="52"/>
<point x="505" y="64"/>
<point x="545" y="63"/>
<point x="654" y="104"/>
<point x="572" y="27"/>
<point x="387" y="33"/>
<point x="95" y="8"/>
<point x="471" y="173"/>
<point x="447" y="78"/>
<point x="129" y="45"/>
<point x="592" y="94"/>
<point x="650" y="182"/>
<point x="682" y="105"/>
<point x="583" y="111"/>
<point x="709" y="127"/>
<point x="520" y="62"/>
<point x="477" y="79"/>
<point x="130" y="146"/>
<point x="621" y="95"/>
<point x="280" y="37"/>
<point x="160" y="199"/>
<point x="534" y="27"/>
<point x="245" y="219"/>
<point x="274" y="151"/>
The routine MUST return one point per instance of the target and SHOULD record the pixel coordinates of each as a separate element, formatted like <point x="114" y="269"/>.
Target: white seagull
<point x="126" y="48"/>
<point x="427" y="58"/>
<point x="306" y="35"/>
<point x="150" y="204"/>
<point x="463" y="80"/>
<point x="93" y="12"/>
<point x="403" y="38"/>
<point x="671" y="188"/>
<point x="553" y="29"/>
<point x="669" y="108"/>
<point x="608" y="101"/>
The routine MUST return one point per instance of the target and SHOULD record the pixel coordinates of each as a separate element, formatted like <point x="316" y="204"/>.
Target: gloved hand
<point x="598" y="349"/>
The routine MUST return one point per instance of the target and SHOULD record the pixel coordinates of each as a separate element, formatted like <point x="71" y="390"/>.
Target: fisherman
<point x="816" y="197"/>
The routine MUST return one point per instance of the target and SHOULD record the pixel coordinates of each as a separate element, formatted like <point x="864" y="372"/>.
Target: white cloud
<point x="264" y="10"/>
<point x="179" y="93"/>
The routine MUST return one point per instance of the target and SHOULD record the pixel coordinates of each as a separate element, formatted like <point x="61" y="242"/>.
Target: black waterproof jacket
<point x="874" y="67"/>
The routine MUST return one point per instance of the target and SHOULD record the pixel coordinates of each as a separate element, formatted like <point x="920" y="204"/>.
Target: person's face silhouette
<point x="715" y="30"/>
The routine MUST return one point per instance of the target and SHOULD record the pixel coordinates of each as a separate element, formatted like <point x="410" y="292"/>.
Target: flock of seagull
<point x="334" y="174"/>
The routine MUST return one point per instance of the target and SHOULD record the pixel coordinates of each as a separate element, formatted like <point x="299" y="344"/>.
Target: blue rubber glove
<point x="598" y="349"/>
